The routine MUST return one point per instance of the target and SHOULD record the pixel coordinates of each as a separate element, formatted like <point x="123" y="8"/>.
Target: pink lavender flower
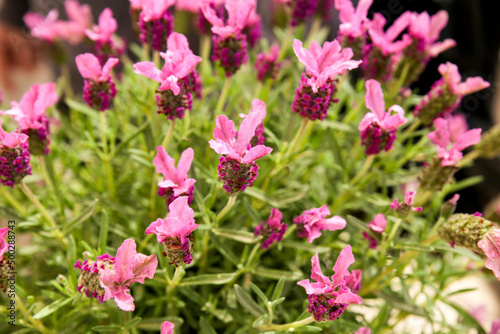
<point x="175" y="233"/>
<point x="111" y="277"/>
<point x="377" y="225"/>
<point x="317" y="85"/>
<point x="99" y="89"/>
<point x="45" y="28"/>
<point x="403" y="209"/>
<point x="267" y="65"/>
<point x="311" y="222"/>
<point x="446" y="93"/>
<point x="14" y="157"/>
<point x="173" y="97"/>
<point x="230" y="43"/>
<point x="302" y="10"/>
<point x="259" y="138"/>
<point x="495" y="327"/>
<point x="378" y="128"/>
<point x="272" y="229"/>
<point x="156" y="23"/>
<point x="167" y="328"/>
<point x="106" y="43"/>
<point x="354" y="24"/>
<point x="380" y="57"/>
<point x="6" y="265"/>
<point x="364" y="330"/>
<point x="237" y="166"/>
<point x="253" y="26"/>
<point x="424" y="31"/>
<point x="458" y="137"/>
<point x="329" y="298"/>
<point x="490" y="245"/>
<point x="80" y="18"/>
<point x="175" y="180"/>
<point x="30" y="113"/>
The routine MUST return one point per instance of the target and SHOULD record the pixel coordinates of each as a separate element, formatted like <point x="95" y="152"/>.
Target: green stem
<point x="226" y="209"/>
<point x="416" y="123"/>
<point x="252" y="255"/>
<point x="316" y="25"/>
<point x="296" y="139"/>
<point x="26" y="190"/>
<point x="13" y="201"/>
<point x="362" y="172"/>
<point x="169" y="134"/>
<point x="106" y="157"/>
<point x="176" y="279"/>
<point x="284" y="327"/>
<point x="471" y="156"/>
<point x="285" y="42"/>
<point x="223" y="96"/>
<point x="145" y="52"/>
<point x="156" y="58"/>
<point x="49" y="180"/>
<point x="68" y="90"/>
<point x="152" y="196"/>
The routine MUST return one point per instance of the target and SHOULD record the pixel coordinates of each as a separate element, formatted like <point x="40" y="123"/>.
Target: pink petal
<point x="441" y="135"/>
<point x="323" y="211"/>
<point x="344" y="260"/>
<point x="439" y="47"/>
<point x="495" y="327"/>
<point x="108" y="66"/>
<point x="493" y="265"/>
<point x="124" y="261"/>
<point x="167" y="328"/>
<point x="346" y="10"/>
<point x="167" y="184"/>
<point x="367" y="120"/>
<point x="177" y="42"/>
<point x="171" y="83"/>
<point x="165" y="164"/>
<point x="255" y="153"/>
<point x="88" y="65"/>
<point x="313" y="288"/>
<point x="154" y="9"/>
<point x="305" y="57"/>
<point x="349" y="297"/>
<point x="124" y="300"/>
<point x="471" y="85"/>
<point x="398" y="26"/>
<point x="107" y="23"/>
<point x="316" y="273"/>
<point x="185" y="163"/>
<point x="490" y="244"/>
<point x="13" y="139"/>
<point x="249" y="124"/>
<point x="364" y="330"/>
<point x="239" y="12"/>
<point x="450" y="72"/>
<point x="457" y="126"/>
<point x="224" y="130"/>
<point x="437" y="23"/>
<point x="153" y="228"/>
<point x="471" y="137"/>
<point x="3" y="244"/>
<point x="221" y="147"/>
<point x="144" y="267"/>
<point x="378" y="223"/>
<point x="211" y="15"/>
<point x="393" y="121"/>
<point x="149" y="70"/>
<point x="375" y="98"/>
<point x="275" y="217"/>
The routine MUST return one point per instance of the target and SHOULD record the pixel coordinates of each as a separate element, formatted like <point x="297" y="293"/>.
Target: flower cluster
<point x="267" y="64"/>
<point x="106" y="43"/>
<point x="6" y="265"/>
<point x="30" y="113"/>
<point x="99" y="89"/>
<point x="311" y="222"/>
<point x="14" y="157"/>
<point x="377" y="225"/>
<point x="378" y="128"/>
<point x="272" y="229"/>
<point x="175" y="180"/>
<point x="173" y="97"/>
<point x="175" y="232"/>
<point x="110" y="277"/>
<point x="328" y="298"/>
<point x="403" y="209"/>
<point x="155" y="23"/>
<point x="237" y="166"/>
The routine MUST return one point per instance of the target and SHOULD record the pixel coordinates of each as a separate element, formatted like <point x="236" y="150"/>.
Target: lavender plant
<point x="237" y="241"/>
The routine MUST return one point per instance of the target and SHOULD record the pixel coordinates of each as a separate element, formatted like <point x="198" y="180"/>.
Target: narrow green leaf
<point x="238" y="235"/>
<point x="247" y="302"/>
<point x="415" y="247"/>
<point x="132" y="323"/>
<point x="215" y="279"/>
<point x="251" y="211"/>
<point x="312" y="329"/>
<point x="86" y="214"/>
<point x="103" y="233"/>
<point x="106" y="329"/>
<point x="278" y="274"/>
<point x="49" y="309"/>
<point x="205" y="327"/>
<point x="260" y="320"/>
<point x="223" y="249"/>
<point x="137" y="132"/>
<point x="82" y="108"/>
<point x="277" y="302"/>
<point x="360" y="225"/>
<point x="259" y="293"/>
<point x="278" y="288"/>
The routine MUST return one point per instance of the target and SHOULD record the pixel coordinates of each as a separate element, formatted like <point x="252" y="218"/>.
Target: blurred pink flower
<point x="329" y="298"/>
<point x="427" y="29"/>
<point x="363" y="330"/>
<point x="311" y="222"/>
<point x="129" y="267"/>
<point x="154" y="9"/>
<point x="377" y="225"/>
<point x="3" y="244"/>
<point x="453" y="80"/>
<point x="47" y="28"/>
<point x="442" y="137"/>
<point x="353" y="21"/>
<point x="89" y="67"/>
<point x="271" y="229"/>
<point x="80" y="19"/>
<point x="167" y="328"/>
<point x="238" y="12"/>
<point x="105" y="29"/>
<point x="404" y="208"/>
<point x="385" y="40"/>
<point x="490" y="245"/>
